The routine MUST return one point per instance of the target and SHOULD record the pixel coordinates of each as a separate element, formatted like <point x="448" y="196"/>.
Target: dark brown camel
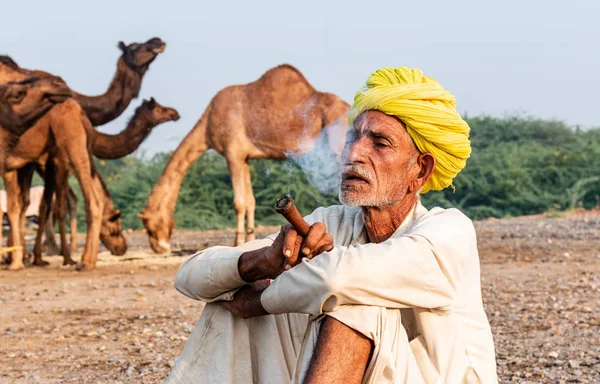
<point x="125" y="86"/>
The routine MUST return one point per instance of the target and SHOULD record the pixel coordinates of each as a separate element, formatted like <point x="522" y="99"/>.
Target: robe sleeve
<point x="418" y="269"/>
<point x="213" y="274"/>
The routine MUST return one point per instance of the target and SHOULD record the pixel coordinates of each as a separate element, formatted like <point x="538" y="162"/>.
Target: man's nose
<point x="356" y="152"/>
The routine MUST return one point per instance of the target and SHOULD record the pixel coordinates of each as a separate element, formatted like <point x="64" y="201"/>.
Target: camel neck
<point x="164" y="194"/>
<point x="124" y="143"/>
<point x="124" y="87"/>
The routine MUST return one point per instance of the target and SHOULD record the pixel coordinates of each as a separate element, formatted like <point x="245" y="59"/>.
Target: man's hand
<point x="287" y="250"/>
<point x="246" y="301"/>
<point x="289" y="247"/>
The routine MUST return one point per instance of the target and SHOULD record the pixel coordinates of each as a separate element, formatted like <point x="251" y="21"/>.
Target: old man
<point x="381" y="290"/>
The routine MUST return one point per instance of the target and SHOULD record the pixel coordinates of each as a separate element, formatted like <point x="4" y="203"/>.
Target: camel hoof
<point x="40" y="263"/>
<point x="84" y="267"/>
<point x="69" y="262"/>
<point x="16" y="266"/>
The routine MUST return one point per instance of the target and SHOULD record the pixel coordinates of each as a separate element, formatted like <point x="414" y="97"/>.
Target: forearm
<point x="402" y="273"/>
<point x="340" y="356"/>
<point x="213" y="274"/>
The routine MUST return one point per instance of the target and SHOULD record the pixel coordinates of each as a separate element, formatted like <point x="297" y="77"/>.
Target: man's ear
<point x="426" y="164"/>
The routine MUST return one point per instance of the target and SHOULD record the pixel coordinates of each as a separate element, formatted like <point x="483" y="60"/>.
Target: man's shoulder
<point x="450" y="221"/>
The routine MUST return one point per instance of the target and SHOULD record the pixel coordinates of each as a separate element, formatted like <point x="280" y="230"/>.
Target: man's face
<point x="377" y="160"/>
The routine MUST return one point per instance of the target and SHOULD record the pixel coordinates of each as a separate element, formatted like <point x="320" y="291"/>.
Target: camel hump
<point x="284" y="73"/>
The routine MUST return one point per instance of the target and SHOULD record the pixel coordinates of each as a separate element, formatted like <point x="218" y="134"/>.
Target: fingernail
<point x="288" y="253"/>
<point x="287" y="266"/>
<point x="305" y="250"/>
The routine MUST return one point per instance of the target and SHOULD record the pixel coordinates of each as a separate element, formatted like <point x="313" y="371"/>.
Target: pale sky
<point x="541" y="58"/>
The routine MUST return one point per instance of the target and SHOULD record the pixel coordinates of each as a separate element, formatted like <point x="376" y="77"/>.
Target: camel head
<point x="157" y="113"/>
<point x="110" y="232"/>
<point x="9" y="62"/>
<point x="138" y="56"/>
<point x="22" y="103"/>
<point x="159" y="229"/>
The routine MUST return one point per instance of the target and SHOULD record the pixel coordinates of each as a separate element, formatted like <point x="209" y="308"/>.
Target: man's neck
<point x="382" y="222"/>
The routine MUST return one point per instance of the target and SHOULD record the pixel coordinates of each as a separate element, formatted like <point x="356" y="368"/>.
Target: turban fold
<point x="429" y="114"/>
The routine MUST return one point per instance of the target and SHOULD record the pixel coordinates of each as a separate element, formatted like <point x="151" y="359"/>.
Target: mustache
<point x="359" y="171"/>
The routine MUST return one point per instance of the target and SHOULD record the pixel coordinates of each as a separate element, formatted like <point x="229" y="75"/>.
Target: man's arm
<point x="213" y="274"/>
<point x="216" y="274"/>
<point x="421" y="269"/>
<point x="340" y="356"/>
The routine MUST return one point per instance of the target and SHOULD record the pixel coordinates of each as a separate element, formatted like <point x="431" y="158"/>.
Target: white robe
<point x="416" y="295"/>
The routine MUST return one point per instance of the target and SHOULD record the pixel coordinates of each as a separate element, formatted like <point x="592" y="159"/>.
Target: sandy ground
<point x="125" y="323"/>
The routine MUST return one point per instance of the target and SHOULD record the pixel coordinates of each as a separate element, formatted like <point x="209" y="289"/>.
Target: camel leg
<point x="90" y="186"/>
<point x="44" y="218"/>
<point x="62" y="190"/>
<point x="236" y="169"/>
<point x="72" y="207"/>
<point x="13" y="210"/>
<point x="250" y="204"/>
<point x="25" y="176"/>
<point x="71" y="139"/>
<point x="45" y="211"/>
<point x="49" y="245"/>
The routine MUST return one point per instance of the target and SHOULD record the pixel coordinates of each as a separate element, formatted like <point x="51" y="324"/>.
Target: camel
<point x="22" y="104"/>
<point x="147" y="116"/>
<point x="61" y="133"/>
<point x="262" y="119"/>
<point x="131" y="67"/>
<point x="125" y="86"/>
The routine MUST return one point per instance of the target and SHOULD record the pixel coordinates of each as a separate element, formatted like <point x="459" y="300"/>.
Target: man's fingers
<point x="294" y="257"/>
<point x="325" y="245"/>
<point x="312" y="239"/>
<point x="289" y="241"/>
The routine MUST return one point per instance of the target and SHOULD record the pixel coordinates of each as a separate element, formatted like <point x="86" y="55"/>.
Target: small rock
<point x="129" y="372"/>
<point x="553" y="355"/>
<point x="573" y="364"/>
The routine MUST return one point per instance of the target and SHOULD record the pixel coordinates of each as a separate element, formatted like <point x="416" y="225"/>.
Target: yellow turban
<point x="429" y="113"/>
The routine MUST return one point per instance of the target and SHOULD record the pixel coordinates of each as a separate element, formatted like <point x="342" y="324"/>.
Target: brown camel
<point x="61" y="133"/>
<point x="147" y="116"/>
<point x="125" y="86"/>
<point x="21" y="105"/>
<point x="262" y="119"/>
<point x="131" y="67"/>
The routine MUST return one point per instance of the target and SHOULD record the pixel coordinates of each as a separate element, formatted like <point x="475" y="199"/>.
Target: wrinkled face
<point x="378" y="160"/>
<point x="110" y="233"/>
<point x="138" y="55"/>
<point x="161" y="114"/>
<point x="159" y="232"/>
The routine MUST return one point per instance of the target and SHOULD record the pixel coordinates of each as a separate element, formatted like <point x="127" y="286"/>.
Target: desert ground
<point x="125" y="322"/>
